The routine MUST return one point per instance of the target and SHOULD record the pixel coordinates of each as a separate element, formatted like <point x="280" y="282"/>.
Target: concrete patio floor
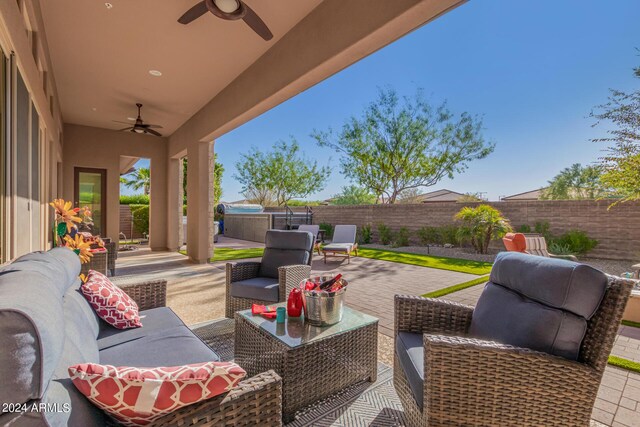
<point x="196" y="293"/>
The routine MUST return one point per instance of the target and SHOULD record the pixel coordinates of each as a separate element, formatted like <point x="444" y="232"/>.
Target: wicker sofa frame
<point x="254" y="401"/>
<point x="289" y="277"/>
<point x="475" y="382"/>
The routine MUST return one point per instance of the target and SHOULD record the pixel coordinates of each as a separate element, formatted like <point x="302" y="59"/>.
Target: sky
<point x="533" y="70"/>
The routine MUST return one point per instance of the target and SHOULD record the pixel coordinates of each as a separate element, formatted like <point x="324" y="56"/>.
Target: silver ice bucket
<point x="323" y="308"/>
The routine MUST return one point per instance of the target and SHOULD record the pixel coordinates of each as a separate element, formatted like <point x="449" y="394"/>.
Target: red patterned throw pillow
<point x="138" y="396"/>
<point x="110" y="302"/>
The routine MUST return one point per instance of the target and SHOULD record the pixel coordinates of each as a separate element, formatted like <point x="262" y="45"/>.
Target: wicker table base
<point x="312" y="371"/>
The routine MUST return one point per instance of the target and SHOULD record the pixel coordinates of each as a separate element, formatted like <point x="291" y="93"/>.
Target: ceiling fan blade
<point x="152" y="132"/>
<point x="124" y="123"/>
<point x="151" y="126"/>
<point x="253" y="20"/>
<point x="194" y="13"/>
<point x="123" y="129"/>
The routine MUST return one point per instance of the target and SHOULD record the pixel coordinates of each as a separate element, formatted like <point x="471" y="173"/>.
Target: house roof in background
<point x="443" y="195"/>
<point x="527" y="195"/>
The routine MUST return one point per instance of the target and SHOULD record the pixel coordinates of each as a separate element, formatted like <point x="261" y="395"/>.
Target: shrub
<point x="430" y="236"/>
<point x="560" y="249"/>
<point x="384" y="234"/>
<point x="327" y="228"/>
<point x="542" y="228"/>
<point x="524" y="228"/>
<point x="366" y="234"/>
<point x="450" y="234"/>
<point x="135" y="199"/>
<point x="577" y="241"/>
<point x="140" y="214"/>
<point x="480" y="225"/>
<point x="401" y="238"/>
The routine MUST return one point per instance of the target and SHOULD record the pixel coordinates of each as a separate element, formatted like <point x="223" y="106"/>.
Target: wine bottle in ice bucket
<point x="326" y="285"/>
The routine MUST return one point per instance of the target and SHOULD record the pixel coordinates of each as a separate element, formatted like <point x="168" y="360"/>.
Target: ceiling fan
<point x="140" y="126"/>
<point x="230" y="10"/>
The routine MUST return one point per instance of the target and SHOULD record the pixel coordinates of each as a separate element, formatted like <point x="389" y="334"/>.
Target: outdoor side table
<point x="314" y="362"/>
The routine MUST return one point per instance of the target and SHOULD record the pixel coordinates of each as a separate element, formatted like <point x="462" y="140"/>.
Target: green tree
<point x="137" y="179"/>
<point x="621" y="162"/>
<point x="576" y="182"/>
<point x="284" y="172"/>
<point x="410" y="195"/>
<point x="354" y="195"/>
<point x="218" y="170"/>
<point x="400" y="144"/>
<point x="480" y="225"/>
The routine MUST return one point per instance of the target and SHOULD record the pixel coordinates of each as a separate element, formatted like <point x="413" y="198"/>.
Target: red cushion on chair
<point x="110" y="302"/>
<point x="138" y="396"/>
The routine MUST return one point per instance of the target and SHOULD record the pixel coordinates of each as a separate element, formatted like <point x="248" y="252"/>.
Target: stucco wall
<point x="91" y="147"/>
<point x="617" y="229"/>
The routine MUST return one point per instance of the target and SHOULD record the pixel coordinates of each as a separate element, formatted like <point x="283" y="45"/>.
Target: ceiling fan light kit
<point x="140" y="126"/>
<point x="230" y="10"/>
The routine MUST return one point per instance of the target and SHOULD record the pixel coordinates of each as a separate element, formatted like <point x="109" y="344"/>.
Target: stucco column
<point x="199" y="201"/>
<point x="174" y="204"/>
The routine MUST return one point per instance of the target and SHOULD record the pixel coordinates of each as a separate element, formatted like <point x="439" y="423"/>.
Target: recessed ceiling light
<point x="155" y="73"/>
<point x="94" y="109"/>
<point x="109" y="5"/>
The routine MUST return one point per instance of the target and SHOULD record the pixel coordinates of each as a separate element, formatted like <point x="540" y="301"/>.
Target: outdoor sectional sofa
<point x="46" y="325"/>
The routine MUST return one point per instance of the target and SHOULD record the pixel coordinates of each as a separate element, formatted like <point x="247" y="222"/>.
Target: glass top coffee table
<point x="314" y="362"/>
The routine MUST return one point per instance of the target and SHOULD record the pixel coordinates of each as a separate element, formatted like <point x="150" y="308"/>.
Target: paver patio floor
<point x="196" y="293"/>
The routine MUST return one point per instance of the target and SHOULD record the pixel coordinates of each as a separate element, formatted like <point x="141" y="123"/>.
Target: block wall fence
<point x="617" y="229"/>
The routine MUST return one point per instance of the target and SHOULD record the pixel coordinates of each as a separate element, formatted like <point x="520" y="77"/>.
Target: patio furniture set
<point x="453" y="365"/>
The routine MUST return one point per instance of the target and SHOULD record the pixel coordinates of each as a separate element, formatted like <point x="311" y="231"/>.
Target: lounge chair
<point x="313" y="229"/>
<point x="342" y="244"/>
<point x="533" y="244"/>
<point x="531" y="353"/>
<point x="285" y="263"/>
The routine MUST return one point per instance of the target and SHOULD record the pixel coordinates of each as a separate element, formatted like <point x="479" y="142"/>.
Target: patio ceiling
<point x="101" y="57"/>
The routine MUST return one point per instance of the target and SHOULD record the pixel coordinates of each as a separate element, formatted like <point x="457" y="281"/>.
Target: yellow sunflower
<point x="65" y="213"/>
<point x="80" y="247"/>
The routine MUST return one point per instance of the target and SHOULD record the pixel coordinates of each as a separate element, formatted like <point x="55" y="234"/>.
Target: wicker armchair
<point x="476" y="382"/>
<point x="286" y="261"/>
<point x="254" y="401"/>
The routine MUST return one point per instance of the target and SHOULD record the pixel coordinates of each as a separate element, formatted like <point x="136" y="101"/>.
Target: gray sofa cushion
<point x="156" y="320"/>
<point x="285" y="248"/>
<point x="558" y="283"/>
<point x="260" y="288"/>
<point x="81" y="312"/>
<point x="31" y="334"/>
<point x="505" y="316"/>
<point x="410" y="351"/>
<point x="60" y="265"/>
<point x="172" y="347"/>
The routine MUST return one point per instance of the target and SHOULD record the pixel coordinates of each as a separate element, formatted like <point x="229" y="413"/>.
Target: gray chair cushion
<point x="171" y="347"/>
<point x="260" y="288"/>
<point x="344" y="234"/>
<point x="558" y="283"/>
<point x="505" y="316"/>
<point x="285" y="248"/>
<point x="156" y="320"/>
<point x="339" y="247"/>
<point x="410" y="351"/>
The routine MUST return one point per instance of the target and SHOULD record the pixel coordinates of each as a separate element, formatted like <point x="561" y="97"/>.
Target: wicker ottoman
<point x="314" y="362"/>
